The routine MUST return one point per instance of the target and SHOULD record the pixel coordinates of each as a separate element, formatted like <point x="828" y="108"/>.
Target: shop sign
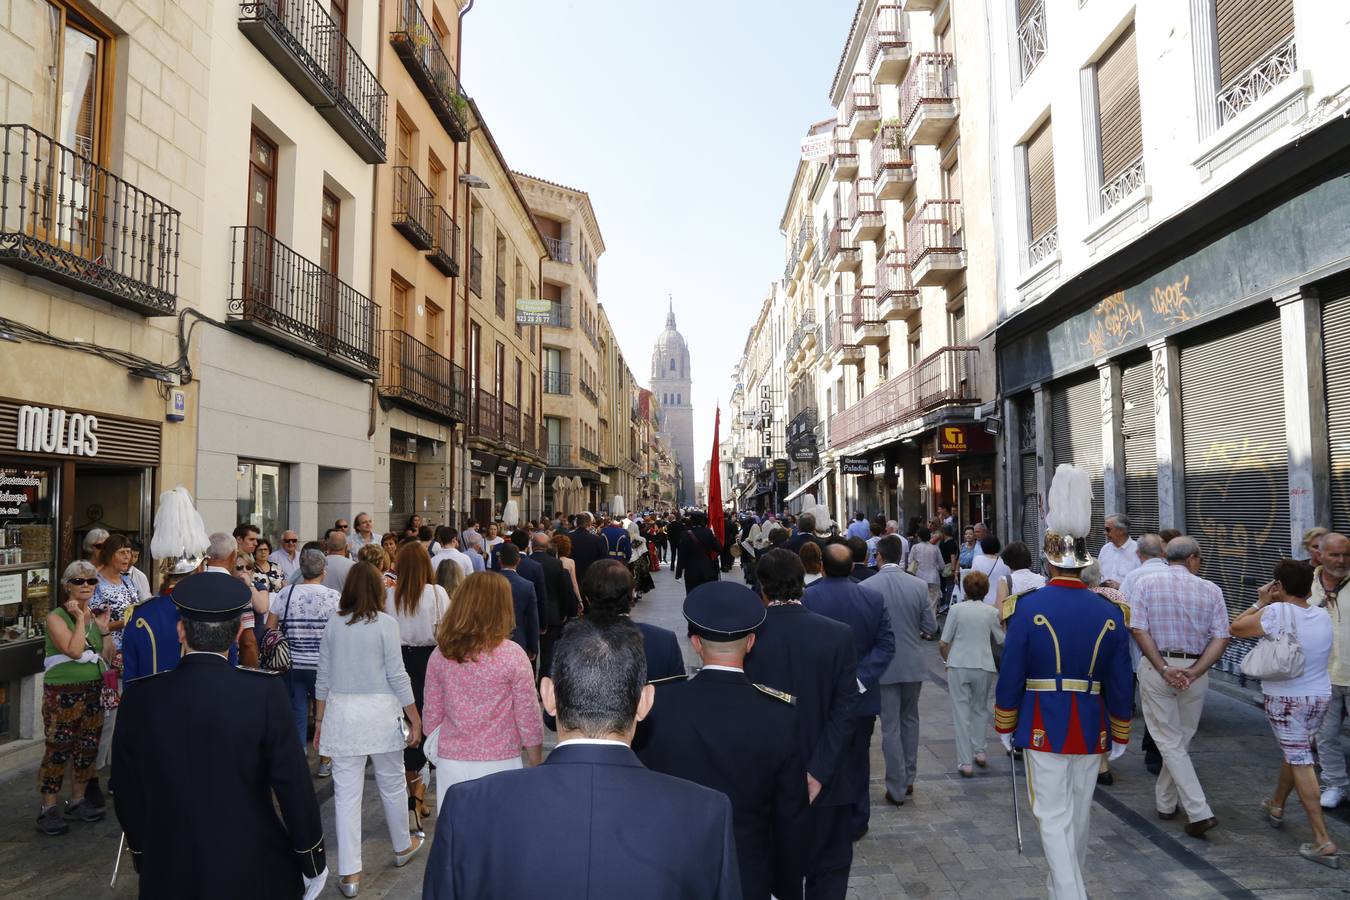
<point x="753" y="463"/>
<point x="505" y="467"/>
<point x="780" y="471"/>
<point x="953" y="439"/>
<point x="879" y="467"/>
<point x="40" y="429"/>
<point x="533" y="312"/>
<point x="766" y="419"/>
<point x="805" y="452"/>
<point x="11" y="589"/>
<point x="854" y="465"/>
<point x="983" y="485"/>
<point x="816" y="147"/>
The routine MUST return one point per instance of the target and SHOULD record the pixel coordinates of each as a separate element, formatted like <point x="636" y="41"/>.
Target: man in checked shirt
<point x="1181" y="625"/>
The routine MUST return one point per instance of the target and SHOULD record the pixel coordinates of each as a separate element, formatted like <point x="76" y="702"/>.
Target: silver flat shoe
<point x="349" y="888"/>
<point x="402" y="859"/>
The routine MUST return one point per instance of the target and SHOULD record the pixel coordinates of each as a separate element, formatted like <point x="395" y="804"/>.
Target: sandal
<point x="1274" y="814"/>
<point x="1331" y="860"/>
<point x="981" y="760"/>
<point x="965" y="770"/>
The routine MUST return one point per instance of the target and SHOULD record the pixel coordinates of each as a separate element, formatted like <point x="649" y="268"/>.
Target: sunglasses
<point x="291" y="541"/>
<point x="92" y="582"/>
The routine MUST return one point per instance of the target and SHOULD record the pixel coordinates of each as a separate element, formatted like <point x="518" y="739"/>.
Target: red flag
<point x="716" y="520"/>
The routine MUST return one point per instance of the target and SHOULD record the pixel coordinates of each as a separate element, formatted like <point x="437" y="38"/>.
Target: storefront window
<point x="27" y="550"/>
<point x="263" y="491"/>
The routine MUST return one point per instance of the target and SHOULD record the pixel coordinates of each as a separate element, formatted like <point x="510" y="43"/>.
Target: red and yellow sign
<point x="953" y="439"/>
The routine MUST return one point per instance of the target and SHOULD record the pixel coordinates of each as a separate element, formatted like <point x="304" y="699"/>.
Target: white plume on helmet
<point x="1070" y="502"/>
<point x="180" y="537"/>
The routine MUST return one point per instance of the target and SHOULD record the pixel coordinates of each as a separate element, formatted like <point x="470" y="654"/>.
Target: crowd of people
<point x="442" y="656"/>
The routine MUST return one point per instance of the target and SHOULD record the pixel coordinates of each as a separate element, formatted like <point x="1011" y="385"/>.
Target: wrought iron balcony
<point x="861" y="108"/>
<point x="945" y="378"/>
<point x="590" y="456"/>
<point x="928" y="98"/>
<point x="499" y="296"/>
<point x="510" y="424"/>
<point x="72" y="221"/>
<point x="806" y="237"/>
<point x="1032" y="38"/>
<point x="476" y="271"/>
<point x="588" y="329"/>
<point x="1259" y="80"/>
<point x="486" y="416"/>
<point x="1130" y="179"/>
<point x="844" y="158"/>
<point x="416" y="43"/>
<point x="559" y="315"/>
<point x="888" y="45"/>
<point x="587" y="391"/>
<point x="864" y="212"/>
<point x="868" y="326"/>
<point x="529" y="434"/>
<point x="844" y="252"/>
<point x="934" y="242"/>
<point x="444" y="242"/>
<point x="558" y="249"/>
<point x="310" y="50"/>
<point x="895" y="292"/>
<point x="556" y="382"/>
<point x="560" y="455"/>
<point x="414" y="374"/>
<point x="892" y="163"/>
<point x="838" y="339"/>
<point x="801" y="425"/>
<point x="282" y="297"/>
<point x="413" y="208"/>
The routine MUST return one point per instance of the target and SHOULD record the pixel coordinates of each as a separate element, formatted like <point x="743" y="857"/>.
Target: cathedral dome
<point x="670" y="356"/>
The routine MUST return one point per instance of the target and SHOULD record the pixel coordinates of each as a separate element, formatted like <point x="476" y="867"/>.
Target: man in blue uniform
<point x="812" y="657"/>
<point x="150" y="641"/>
<point x="590" y="823"/>
<point x="200" y="754"/>
<point x="722" y="731"/>
<point x="1066" y="687"/>
<point x="618" y="545"/>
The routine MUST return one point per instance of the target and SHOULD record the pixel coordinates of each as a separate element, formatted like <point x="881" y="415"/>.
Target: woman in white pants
<point x="362" y="694"/>
<point x="967" y="649"/>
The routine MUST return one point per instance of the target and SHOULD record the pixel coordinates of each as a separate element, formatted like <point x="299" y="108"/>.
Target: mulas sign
<point x="41" y="429"/>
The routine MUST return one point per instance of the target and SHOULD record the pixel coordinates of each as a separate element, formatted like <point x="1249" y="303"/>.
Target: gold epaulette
<point x="668" y="678"/>
<point x="777" y="694"/>
<point x="1124" y="608"/>
<point x="1009" y="607"/>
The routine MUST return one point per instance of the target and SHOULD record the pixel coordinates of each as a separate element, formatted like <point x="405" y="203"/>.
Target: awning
<point x="803" y="489"/>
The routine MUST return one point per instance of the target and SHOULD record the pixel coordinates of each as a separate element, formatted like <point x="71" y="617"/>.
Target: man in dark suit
<point x="203" y="750"/>
<point x="587" y="547"/>
<point x="609" y="598"/>
<point x="838" y="596"/>
<point x="812" y="658"/>
<point x="674" y="532"/>
<point x="722" y="731"/>
<point x="699" y="552"/>
<point x="591" y="823"/>
<point x="529" y="569"/>
<point x="861" y="571"/>
<point x="561" y="604"/>
<point x="806" y="533"/>
<point x="523" y="598"/>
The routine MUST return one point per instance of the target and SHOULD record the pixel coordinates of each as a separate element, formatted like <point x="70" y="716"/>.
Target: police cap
<point x="211" y="597"/>
<point x="723" y="611"/>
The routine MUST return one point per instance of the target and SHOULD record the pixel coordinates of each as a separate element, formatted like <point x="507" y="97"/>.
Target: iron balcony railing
<point x="589" y="330"/>
<point x="929" y="81"/>
<point x="935" y="228"/>
<point x="805" y="230"/>
<point x="413" y="372"/>
<point x="800" y="425"/>
<point x="499" y="295"/>
<point x="845" y="152"/>
<point x="529" y="435"/>
<point x="862" y="202"/>
<point x="590" y="456"/>
<point x="1259" y="80"/>
<point x="588" y="266"/>
<point x="559" y="455"/>
<point x="587" y="391"/>
<point x="417" y="44"/>
<point x="73" y="221"/>
<point x="559" y="315"/>
<point x="476" y="271"/>
<point x="558" y="249"/>
<point x="1043" y="246"/>
<point x="556" y="382"/>
<point x="890" y="152"/>
<point x="944" y="378"/>
<point x="837" y="332"/>
<point x="887" y="31"/>
<point x="1125" y="183"/>
<point x="893" y="280"/>
<point x="840" y="239"/>
<point x="1032" y="38"/>
<point x="487" y="416"/>
<point x="272" y="285"/>
<point x="510" y="424"/>
<point x="860" y="99"/>
<point x="413" y="209"/>
<point x="444" y="242"/>
<point x="307" y="46"/>
<point x="864" y="306"/>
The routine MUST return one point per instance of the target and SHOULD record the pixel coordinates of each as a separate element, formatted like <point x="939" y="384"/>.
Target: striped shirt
<point x="302" y="613"/>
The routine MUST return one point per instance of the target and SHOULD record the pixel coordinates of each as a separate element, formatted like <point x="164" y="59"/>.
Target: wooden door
<point x="259" y="244"/>
<point x="329" y="294"/>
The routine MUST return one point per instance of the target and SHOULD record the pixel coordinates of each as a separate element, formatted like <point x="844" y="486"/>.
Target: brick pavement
<point x="954" y="840"/>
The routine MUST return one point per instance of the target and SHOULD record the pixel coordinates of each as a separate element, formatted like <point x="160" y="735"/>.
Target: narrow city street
<point x="955" y="839"/>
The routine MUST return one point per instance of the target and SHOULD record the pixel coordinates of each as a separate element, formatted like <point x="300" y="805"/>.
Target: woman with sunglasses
<point x="267" y="575"/>
<point x="72" y="714"/>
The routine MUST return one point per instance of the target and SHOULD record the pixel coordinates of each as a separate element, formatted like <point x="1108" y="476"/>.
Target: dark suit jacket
<point x="230" y="734"/>
<point x="812" y="658"/>
<point x="864" y="612"/>
<point x="705" y="730"/>
<point x="526" y="605"/>
<point x="591" y="823"/>
<point x="665" y="660"/>
<point x="862" y="572"/>
<point x="586" y="549"/>
<point x="799" y="540"/>
<point x="693" y="564"/>
<point x="562" y="600"/>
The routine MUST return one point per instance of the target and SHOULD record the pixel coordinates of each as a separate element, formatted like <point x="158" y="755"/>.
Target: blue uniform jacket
<point x="873" y="641"/>
<point x="591" y="823"/>
<point x="617" y="544"/>
<point x="1065" y="684"/>
<point x="150" y="640"/>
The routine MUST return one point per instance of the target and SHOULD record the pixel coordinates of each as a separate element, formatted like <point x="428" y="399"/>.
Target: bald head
<point x="838" y="560"/>
<point x="1335" y="554"/>
<point x="1149" y="546"/>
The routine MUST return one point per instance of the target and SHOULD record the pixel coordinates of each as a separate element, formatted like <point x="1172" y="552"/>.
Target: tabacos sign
<point x="45" y="430"/>
<point x="953" y="439"/>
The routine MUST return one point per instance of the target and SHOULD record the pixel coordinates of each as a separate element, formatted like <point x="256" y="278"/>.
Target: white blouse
<point x="419" y="629"/>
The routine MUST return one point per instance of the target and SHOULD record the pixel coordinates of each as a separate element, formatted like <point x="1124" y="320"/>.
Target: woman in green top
<point x="72" y="714"/>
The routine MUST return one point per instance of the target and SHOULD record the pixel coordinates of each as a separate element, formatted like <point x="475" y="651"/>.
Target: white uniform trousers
<point x="1060" y="786"/>
<point x="349" y="781"/>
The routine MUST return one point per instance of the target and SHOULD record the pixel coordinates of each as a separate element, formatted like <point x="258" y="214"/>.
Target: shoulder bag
<point x="275" y="653"/>
<point x="1278" y="658"/>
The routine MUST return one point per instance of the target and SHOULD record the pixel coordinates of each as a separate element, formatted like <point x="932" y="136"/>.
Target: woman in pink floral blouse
<point x="480" y="688"/>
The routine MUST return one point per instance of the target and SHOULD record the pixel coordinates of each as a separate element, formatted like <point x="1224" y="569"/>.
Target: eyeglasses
<point x="92" y="582"/>
<point x="291" y="541"/>
<point x="344" y="526"/>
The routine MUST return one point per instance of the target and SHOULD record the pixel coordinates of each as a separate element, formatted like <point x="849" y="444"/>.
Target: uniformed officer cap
<point x="211" y="597"/>
<point x="723" y="611"/>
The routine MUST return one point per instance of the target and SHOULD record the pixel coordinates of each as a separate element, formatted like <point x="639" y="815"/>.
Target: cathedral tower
<point x="671" y="383"/>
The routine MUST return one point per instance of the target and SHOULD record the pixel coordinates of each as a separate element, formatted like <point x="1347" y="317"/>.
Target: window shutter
<point x="1248" y="30"/>
<point x="1024" y="7"/>
<point x="1122" y="139"/>
<point x="1041" y="181"/>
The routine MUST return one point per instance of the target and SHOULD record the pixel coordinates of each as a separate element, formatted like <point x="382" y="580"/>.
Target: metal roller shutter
<point x="1248" y="30"/>
<point x="1141" y="448"/>
<point x="1236" y="462"/>
<point x="1076" y="438"/>
<point x="1041" y="181"/>
<point x="1122" y="138"/>
<point x="1336" y="371"/>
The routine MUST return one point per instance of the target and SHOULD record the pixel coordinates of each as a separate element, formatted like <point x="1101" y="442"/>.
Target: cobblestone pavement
<point x="954" y="840"/>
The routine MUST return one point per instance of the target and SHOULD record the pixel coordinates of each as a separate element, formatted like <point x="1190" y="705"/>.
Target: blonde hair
<point x="375" y="555"/>
<point x="450" y="576"/>
<point x="480" y="618"/>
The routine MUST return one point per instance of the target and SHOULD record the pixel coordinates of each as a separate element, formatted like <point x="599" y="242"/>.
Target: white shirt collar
<point x="886" y="566"/>
<point x="723" y="669"/>
<point x="218" y="569"/>
<point x="596" y="741"/>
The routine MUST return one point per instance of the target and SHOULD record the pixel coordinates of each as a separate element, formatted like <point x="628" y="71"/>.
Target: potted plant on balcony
<point x="895" y="139"/>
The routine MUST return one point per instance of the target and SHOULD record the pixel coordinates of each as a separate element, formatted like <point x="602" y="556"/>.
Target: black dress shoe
<point x="1167" y="816"/>
<point x="892" y="801"/>
<point x="1195" y="829"/>
<point x="858" y="836"/>
<point x="1106" y="778"/>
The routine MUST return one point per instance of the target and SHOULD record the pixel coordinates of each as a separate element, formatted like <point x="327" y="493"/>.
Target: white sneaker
<point x="1332" y="797"/>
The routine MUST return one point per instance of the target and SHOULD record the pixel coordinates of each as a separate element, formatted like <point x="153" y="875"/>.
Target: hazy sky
<point x="683" y="122"/>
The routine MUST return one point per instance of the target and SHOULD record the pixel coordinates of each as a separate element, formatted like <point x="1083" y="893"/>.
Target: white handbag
<point x="1278" y="658"/>
<point x="430" y="742"/>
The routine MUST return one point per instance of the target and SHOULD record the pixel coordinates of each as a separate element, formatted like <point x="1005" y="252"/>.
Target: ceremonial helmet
<point x="1068" y="519"/>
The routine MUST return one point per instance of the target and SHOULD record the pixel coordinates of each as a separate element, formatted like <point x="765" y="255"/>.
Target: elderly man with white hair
<point x="1118" y="556"/>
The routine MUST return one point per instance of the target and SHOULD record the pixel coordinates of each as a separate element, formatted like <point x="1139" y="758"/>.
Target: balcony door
<point x="330" y="227"/>
<point x="259" y="247"/>
<point x="337" y="11"/>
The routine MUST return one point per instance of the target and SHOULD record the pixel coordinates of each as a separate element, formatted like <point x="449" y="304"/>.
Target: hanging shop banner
<point x="817" y="147"/>
<point x="483" y="463"/>
<point x="962" y="439"/>
<point x="534" y="312"/>
<point x="753" y="463"/>
<point x="879" y="467"/>
<point x="780" y="471"/>
<point x="805" y="451"/>
<point x="854" y="465"/>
